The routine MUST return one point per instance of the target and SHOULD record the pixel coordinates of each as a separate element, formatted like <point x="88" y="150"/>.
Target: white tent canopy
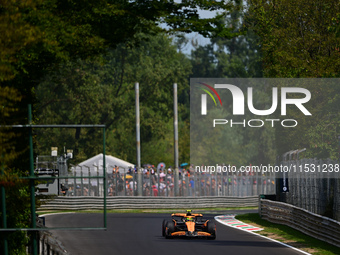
<point x="94" y="166"/>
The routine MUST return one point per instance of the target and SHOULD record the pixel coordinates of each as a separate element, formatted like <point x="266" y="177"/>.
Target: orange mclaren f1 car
<point x="188" y="225"/>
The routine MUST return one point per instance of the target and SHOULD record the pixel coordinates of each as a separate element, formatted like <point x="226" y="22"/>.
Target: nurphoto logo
<point x="238" y="104"/>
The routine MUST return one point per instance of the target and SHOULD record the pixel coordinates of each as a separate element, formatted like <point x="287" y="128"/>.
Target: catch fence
<point x="190" y="183"/>
<point x="314" y="186"/>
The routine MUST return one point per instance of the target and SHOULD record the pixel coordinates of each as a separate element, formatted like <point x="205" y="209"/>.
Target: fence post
<point x="138" y="164"/>
<point x="3" y="210"/>
<point x="260" y="205"/>
<point x="32" y="184"/>
<point x="81" y="181"/>
<point x="176" y="177"/>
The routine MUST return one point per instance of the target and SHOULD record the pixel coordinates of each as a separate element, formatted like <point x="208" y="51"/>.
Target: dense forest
<point x="77" y="61"/>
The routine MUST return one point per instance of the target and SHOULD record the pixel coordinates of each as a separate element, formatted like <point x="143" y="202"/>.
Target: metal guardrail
<point x="309" y="223"/>
<point x="48" y="244"/>
<point x="97" y="203"/>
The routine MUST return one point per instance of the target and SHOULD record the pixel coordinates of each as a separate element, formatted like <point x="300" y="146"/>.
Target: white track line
<point x="273" y="240"/>
<point x="47" y="214"/>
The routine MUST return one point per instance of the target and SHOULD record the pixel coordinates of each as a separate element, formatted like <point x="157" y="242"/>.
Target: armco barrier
<point x="97" y="203"/>
<point x="312" y="224"/>
<point x="48" y="244"/>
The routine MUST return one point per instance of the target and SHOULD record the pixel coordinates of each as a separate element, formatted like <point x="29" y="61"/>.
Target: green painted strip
<point x="209" y="95"/>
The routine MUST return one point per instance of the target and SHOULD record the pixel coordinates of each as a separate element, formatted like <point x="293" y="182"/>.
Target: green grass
<point x="290" y="236"/>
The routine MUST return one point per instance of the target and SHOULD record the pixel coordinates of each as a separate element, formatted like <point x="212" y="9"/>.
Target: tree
<point x="295" y="37"/>
<point x="16" y="190"/>
<point x="8" y="99"/>
<point x="203" y="61"/>
<point x="46" y="32"/>
<point x="40" y="36"/>
<point x="300" y="40"/>
<point x="237" y="57"/>
<point x="85" y="92"/>
<point x="53" y="32"/>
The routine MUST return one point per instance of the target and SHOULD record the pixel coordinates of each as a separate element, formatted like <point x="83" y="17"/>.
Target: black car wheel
<point x="211" y="229"/>
<point x="170" y="228"/>
<point x="164" y="226"/>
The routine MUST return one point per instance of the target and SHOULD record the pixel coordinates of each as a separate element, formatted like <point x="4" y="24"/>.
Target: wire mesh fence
<point x="190" y="183"/>
<point x="315" y="186"/>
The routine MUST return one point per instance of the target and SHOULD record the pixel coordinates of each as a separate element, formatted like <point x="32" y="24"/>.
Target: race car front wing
<point x="191" y="234"/>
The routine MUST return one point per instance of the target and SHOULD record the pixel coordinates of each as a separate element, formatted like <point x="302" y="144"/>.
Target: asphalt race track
<point x="139" y="234"/>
